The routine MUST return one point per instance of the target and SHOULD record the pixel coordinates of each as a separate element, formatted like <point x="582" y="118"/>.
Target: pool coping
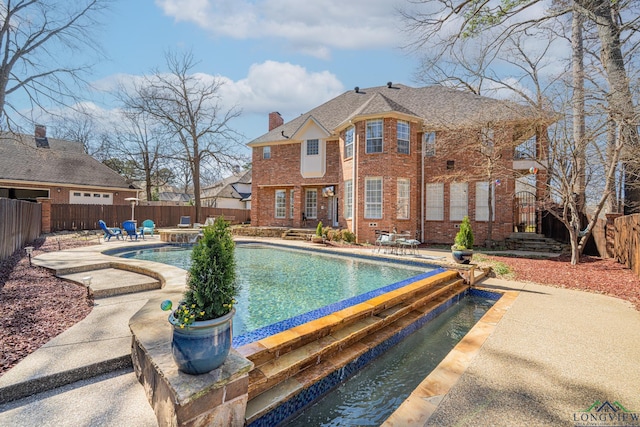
<point x="423" y="402"/>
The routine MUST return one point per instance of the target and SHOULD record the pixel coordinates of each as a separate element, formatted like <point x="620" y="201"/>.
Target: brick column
<point x="46" y="214"/>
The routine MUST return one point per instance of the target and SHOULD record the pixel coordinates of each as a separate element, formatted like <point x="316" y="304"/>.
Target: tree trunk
<point x="620" y="99"/>
<point x="578" y="105"/>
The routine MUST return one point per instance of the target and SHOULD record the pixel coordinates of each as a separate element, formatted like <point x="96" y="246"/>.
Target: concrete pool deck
<point x="554" y="354"/>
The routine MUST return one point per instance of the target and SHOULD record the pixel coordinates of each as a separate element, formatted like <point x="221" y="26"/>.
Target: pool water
<point x="375" y="392"/>
<point x="285" y="288"/>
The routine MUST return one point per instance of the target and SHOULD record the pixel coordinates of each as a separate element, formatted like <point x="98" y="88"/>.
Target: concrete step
<point x="108" y="282"/>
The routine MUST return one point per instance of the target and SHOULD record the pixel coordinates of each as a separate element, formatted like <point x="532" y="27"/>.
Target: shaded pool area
<point x="284" y="287"/>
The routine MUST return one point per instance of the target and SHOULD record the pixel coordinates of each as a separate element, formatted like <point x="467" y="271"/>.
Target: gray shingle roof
<point x="225" y="188"/>
<point x="64" y="162"/>
<point x="438" y="107"/>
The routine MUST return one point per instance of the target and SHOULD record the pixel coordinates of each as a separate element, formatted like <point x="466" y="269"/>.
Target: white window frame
<point x="348" y="199"/>
<point x="403" y="130"/>
<point x="373" y="197"/>
<point x="375" y="135"/>
<point x="313" y="147"/>
<point x="458" y="200"/>
<point x="281" y="204"/>
<point x="482" y="207"/>
<point x="434" y="195"/>
<point x="429" y="144"/>
<point x="311" y="203"/>
<point x="404" y="198"/>
<point x="349" y="137"/>
<point x="266" y="152"/>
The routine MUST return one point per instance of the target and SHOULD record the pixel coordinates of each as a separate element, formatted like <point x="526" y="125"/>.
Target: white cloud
<point x="269" y="86"/>
<point x="312" y="28"/>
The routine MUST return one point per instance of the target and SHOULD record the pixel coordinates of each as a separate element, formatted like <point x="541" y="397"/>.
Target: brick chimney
<point x="275" y="120"/>
<point x="40" y="135"/>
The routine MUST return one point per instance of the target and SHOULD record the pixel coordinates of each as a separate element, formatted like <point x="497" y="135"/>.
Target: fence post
<point x="46" y="214"/>
<point x="610" y="234"/>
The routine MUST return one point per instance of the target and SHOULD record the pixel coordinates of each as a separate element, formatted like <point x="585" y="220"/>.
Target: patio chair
<point x="210" y="220"/>
<point x="185" y="222"/>
<point x="148" y="227"/>
<point x="130" y="228"/>
<point x="110" y="232"/>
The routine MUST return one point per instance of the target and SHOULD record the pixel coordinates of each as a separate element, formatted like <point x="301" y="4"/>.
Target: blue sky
<point x="274" y="55"/>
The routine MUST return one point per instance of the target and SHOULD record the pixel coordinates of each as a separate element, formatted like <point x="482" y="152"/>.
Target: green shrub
<point x="319" y="229"/>
<point x="348" y="236"/>
<point x="464" y="237"/>
<point x="211" y="282"/>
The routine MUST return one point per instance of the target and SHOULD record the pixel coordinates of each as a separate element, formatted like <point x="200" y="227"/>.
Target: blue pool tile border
<point x="292" y="407"/>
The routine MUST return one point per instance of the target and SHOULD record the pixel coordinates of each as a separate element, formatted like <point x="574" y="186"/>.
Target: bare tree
<point x="190" y="108"/>
<point x="37" y="41"/>
<point x="444" y="24"/>
<point x="80" y="126"/>
<point x="141" y="140"/>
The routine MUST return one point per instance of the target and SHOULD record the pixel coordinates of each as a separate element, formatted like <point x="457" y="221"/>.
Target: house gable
<point x="313" y="149"/>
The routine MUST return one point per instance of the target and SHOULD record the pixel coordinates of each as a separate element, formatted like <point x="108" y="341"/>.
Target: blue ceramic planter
<point x="202" y="346"/>
<point x="462" y="256"/>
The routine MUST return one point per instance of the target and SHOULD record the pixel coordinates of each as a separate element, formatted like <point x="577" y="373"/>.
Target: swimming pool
<point x="282" y="287"/>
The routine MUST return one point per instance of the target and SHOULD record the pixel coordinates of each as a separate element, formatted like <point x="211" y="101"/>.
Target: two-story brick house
<point x="397" y="157"/>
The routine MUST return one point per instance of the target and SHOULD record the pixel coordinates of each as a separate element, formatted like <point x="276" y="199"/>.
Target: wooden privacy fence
<point x="20" y="223"/>
<point x="627" y="242"/>
<point x="86" y="217"/>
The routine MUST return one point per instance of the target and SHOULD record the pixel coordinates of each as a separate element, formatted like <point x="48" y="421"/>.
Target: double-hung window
<point x="374" y="136"/>
<point x="349" y="136"/>
<point x="402" y="129"/>
<point x="266" y="152"/>
<point x="311" y="203"/>
<point x="348" y="199"/>
<point x="373" y="198"/>
<point x="281" y="201"/>
<point x="482" y="201"/>
<point x="429" y="144"/>
<point x="434" y="194"/>
<point x="458" y="206"/>
<point x="403" y="198"/>
<point x="291" y="203"/>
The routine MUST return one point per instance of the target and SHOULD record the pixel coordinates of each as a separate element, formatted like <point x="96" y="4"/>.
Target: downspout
<point x="354" y="186"/>
<point x="422" y="191"/>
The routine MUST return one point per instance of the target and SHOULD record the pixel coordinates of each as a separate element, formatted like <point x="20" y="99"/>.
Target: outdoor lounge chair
<point x="148" y="227"/>
<point x="209" y="221"/>
<point x="185" y="222"/>
<point x="130" y="228"/>
<point x="110" y="232"/>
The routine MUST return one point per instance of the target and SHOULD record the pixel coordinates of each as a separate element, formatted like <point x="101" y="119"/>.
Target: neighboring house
<point x="390" y="157"/>
<point x="167" y="195"/>
<point x="34" y="166"/>
<point x="233" y="192"/>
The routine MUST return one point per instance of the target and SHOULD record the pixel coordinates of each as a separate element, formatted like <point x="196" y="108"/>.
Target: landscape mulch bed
<point x="36" y="306"/>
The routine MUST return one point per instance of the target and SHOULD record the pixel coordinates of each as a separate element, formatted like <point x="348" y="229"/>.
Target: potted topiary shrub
<point x="318" y="238"/>
<point x="202" y="322"/>
<point x="462" y="249"/>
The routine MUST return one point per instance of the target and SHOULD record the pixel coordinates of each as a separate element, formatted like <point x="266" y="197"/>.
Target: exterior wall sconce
<point x="58" y="189"/>
<point x="29" y="250"/>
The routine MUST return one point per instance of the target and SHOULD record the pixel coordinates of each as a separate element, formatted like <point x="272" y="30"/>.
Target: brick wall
<point x="282" y="171"/>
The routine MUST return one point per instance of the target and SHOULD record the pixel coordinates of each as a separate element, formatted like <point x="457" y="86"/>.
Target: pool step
<point x="108" y="282"/>
<point x="286" y="366"/>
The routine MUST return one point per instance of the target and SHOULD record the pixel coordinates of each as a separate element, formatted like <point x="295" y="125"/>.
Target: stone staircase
<point x="298" y="234"/>
<point x="535" y="243"/>
<point x="297" y="365"/>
